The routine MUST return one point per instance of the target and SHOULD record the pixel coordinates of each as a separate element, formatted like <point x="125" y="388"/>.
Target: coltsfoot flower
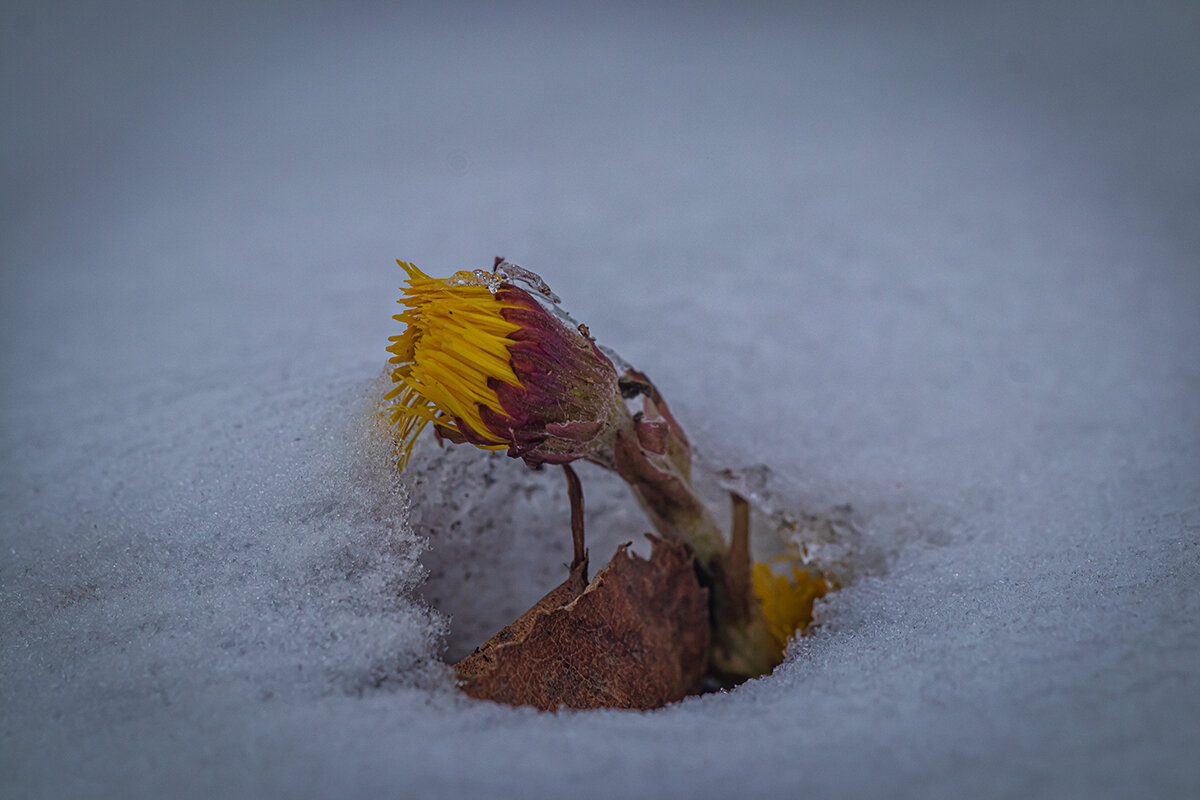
<point x="490" y="363"/>
<point x="485" y="362"/>
<point x="787" y="603"/>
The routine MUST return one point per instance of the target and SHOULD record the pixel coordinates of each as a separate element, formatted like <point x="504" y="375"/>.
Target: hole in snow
<point x="499" y="535"/>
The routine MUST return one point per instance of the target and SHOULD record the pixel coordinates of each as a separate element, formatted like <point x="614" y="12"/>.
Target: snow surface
<point x="938" y="262"/>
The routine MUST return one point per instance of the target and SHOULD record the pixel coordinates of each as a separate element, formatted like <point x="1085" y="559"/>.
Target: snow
<point x="937" y="262"/>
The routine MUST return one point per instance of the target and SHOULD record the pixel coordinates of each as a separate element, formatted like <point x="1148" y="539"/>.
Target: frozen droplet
<point x="476" y="277"/>
<point x="511" y="271"/>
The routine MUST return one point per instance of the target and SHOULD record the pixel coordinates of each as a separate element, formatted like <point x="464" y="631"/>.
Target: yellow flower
<point x="787" y="604"/>
<point x="487" y="363"/>
<point x="453" y="341"/>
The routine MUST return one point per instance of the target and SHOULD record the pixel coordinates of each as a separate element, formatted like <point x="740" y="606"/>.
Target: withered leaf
<point x="636" y="637"/>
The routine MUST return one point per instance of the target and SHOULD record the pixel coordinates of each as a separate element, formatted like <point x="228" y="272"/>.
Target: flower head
<point x="787" y="604"/>
<point x="485" y="362"/>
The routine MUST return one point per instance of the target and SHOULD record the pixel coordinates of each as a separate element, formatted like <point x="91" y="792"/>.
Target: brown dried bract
<point x="636" y="637"/>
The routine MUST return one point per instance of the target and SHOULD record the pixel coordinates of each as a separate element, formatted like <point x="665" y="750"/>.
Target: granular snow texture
<point x="935" y="265"/>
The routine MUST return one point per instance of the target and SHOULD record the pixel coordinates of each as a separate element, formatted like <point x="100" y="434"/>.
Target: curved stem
<point x="575" y="494"/>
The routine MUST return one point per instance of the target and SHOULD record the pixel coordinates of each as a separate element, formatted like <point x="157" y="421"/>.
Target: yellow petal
<point x="455" y="339"/>
<point x="787" y="603"/>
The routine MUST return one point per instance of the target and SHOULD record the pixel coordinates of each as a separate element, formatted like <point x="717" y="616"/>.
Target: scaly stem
<point x="579" y="565"/>
<point x="742" y="646"/>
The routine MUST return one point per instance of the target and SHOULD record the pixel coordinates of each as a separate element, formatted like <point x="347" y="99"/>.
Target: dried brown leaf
<point x="636" y="637"/>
